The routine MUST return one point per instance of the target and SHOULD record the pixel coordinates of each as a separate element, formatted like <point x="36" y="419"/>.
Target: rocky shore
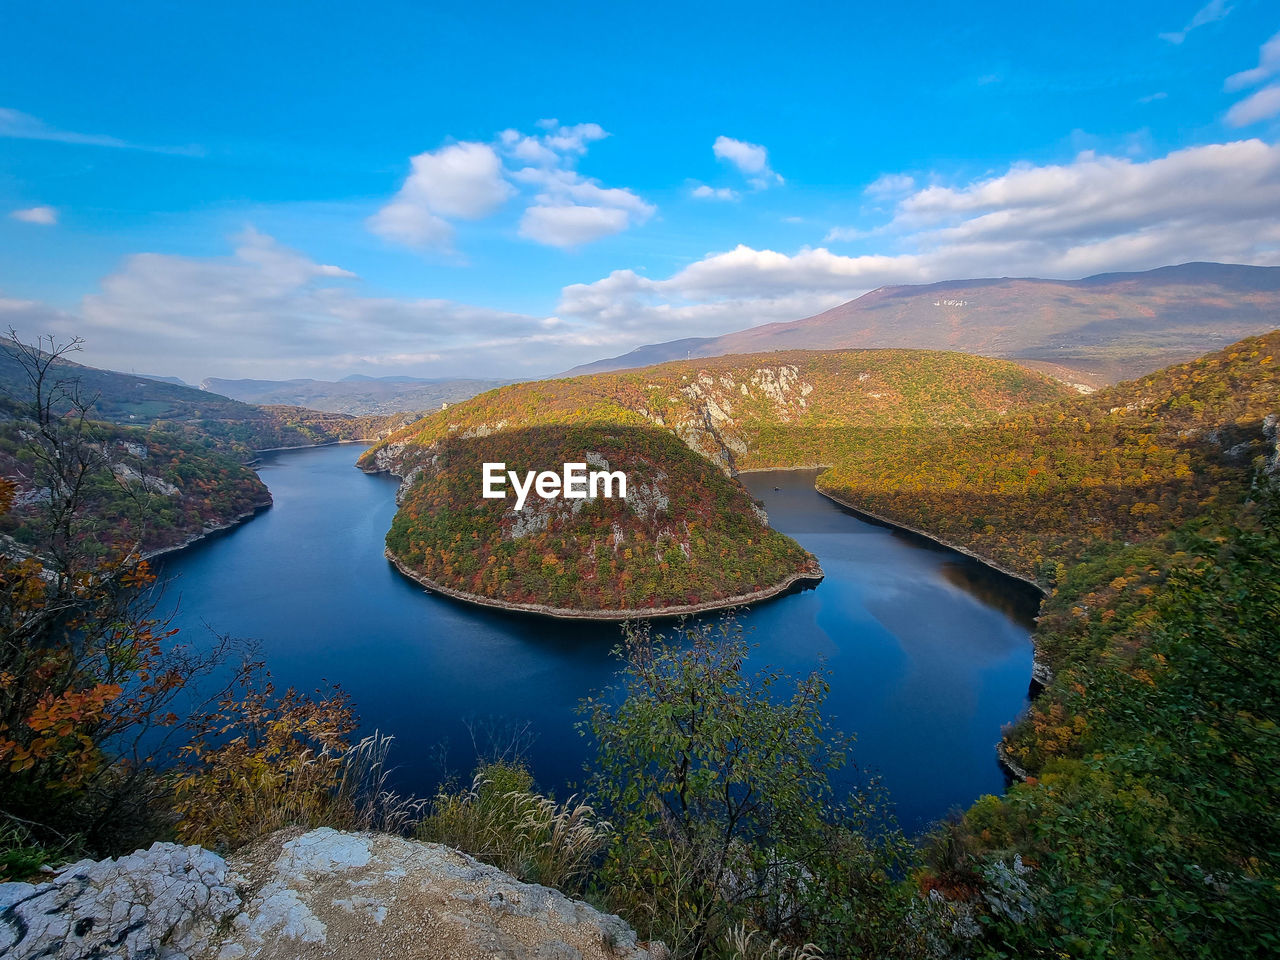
<point x="211" y="529"/>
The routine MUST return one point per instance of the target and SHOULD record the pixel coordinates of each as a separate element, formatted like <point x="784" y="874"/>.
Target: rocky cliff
<point x="322" y="894"/>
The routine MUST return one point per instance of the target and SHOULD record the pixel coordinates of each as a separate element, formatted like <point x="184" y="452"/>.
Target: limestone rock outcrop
<point x="166" y="902"/>
<point x="320" y="894"/>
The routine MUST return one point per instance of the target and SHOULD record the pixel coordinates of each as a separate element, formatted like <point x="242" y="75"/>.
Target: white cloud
<point x="46" y="216"/>
<point x="889" y="184"/>
<point x="565" y="184"/>
<point x="1226" y="184"/>
<point x="570" y="224"/>
<point x="750" y="158"/>
<point x="22" y="126"/>
<point x="1211" y="12"/>
<point x="461" y="181"/>
<point x="764" y="273"/>
<point x="527" y="149"/>
<point x="1095" y="214"/>
<point x="704" y="192"/>
<point x="845" y="234"/>
<point x="33" y="319"/>
<point x="1260" y="105"/>
<point x="747" y="157"/>
<point x="571" y="139"/>
<point x="624" y="310"/>
<point x="469" y="181"/>
<point x="569" y="209"/>
<point x="270" y="311"/>
<point x="1268" y="66"/>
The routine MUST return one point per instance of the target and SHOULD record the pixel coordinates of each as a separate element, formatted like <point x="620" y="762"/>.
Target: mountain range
<point x="355" y="394"/>
<point x="1100" y="329"/>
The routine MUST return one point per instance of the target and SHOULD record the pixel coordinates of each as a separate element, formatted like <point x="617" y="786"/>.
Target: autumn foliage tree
<point x="87" y="671"/>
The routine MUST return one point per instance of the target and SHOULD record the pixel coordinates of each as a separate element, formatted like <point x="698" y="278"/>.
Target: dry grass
<point x="245" y="796"/>
<point x="744" y="944"/>
<point x="502" y="821"/>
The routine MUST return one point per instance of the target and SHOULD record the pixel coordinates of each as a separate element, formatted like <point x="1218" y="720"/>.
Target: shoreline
<point x="1041" y="672"/>
<point x="1009" y="765"/>
<point x="310" y="446"/>
<point x="257" y="454"/>
<point x="210" y="530"/>
<point x="801" y="466"/>
<point x="247" y="515"/>
<point x="886" y="521"/>
<point x="606" y="616"/>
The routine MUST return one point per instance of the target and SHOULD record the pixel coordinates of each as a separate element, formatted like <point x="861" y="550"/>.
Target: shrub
<point x="718" y="784"/>
<point x="258" y="763"/>
<point x="22" y="856"/>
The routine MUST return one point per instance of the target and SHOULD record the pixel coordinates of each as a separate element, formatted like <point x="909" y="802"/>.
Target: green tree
<point x="718" y="785"/>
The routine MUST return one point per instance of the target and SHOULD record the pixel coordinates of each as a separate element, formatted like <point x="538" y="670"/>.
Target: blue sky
<point x="315" y="189"/>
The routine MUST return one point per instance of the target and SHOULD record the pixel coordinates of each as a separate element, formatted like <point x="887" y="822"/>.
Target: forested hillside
<point x="1040" y="487"/>
<point x="1146" y="825"/>
<point x="160" y="462"/>
<point x="685" y="534"/>
<point x="149" y="488"/>
<point x="764" y="410"/>
<point x="739" y="413"/>
<point x="229" y="425"/>
<point x="979" y="453"/>
<point x="267" y="428"/>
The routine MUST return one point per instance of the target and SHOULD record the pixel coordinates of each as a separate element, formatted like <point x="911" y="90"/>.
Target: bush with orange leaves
<point x="258" y="762"/>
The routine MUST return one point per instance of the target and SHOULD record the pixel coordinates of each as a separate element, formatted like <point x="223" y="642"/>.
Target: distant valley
<point x="356" y="395"/>
<point x="161" y="461"/>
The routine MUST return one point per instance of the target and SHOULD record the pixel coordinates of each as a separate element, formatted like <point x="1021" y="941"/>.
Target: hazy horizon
<point x="233" y="206"/>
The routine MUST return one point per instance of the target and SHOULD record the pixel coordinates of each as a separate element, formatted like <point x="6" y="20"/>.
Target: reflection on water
<point x="928" y="650"/>
<point x="1011" y="597"/>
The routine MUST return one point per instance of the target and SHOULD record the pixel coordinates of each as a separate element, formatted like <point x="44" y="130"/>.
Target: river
<point x="929" y="651"/>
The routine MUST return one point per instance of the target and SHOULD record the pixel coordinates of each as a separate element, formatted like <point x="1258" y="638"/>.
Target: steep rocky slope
<point x="766" y="410"/>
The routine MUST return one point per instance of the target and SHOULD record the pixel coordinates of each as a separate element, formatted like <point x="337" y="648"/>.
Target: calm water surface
<point x="929" y="651"/>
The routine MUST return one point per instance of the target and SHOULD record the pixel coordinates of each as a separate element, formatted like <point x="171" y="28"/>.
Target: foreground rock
<point x="162" y="902"/>
<point x="311" y="895"/>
